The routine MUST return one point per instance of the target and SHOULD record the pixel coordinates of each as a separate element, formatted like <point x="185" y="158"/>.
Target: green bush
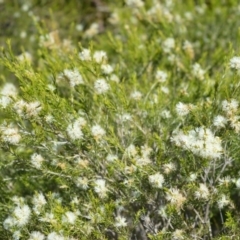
<point x="120" y="120"/>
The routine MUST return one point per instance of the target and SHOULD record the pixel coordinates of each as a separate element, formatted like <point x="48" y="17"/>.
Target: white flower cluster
<point x="19" y="218"/>
<point x="120" y="222"/>
<point x="7" y="94"/>
<point x="219" y="121"/>
<point x="26" y="56"/>
<point x="156" y="180"/>
<point x="175" y="197"/>
<point x="38" y="202"/>
<point x="74" y="129"/>
<point x="37" y="160"/>
<point x="188" y="48"/>
<point x="100" y="56"/>
<point x="10" y="134"/>
<point x="100" y="188"/>
<point x="85" y="55"/>
<point x="168" y="45"/>
<point x="230" y="107"/>
<point x="72" y="76"/>
<point x="35" y="235"/>
<point x="202" y="192"/>
<point x="55" y="236"/>
<point x="135" y="3"/>
<point x="136" y="95"/>
<point x="92" y="30"/>
<point x="28" y="110"/>
<point x="69" y="217"/>
<point x="106" y="69"/>
<point x="197" y="71"/>
<point x="183" y="109"/>
<point x="141" y="159"/>
<point x="223" y="201"/>
<point x="200" y="141"/>
<point x="82" y="182"/>
<point x="101" y="86"/>
<point x="235" y="63"/>
<point x="161" y="76"/>
<point x="98" y="132"/>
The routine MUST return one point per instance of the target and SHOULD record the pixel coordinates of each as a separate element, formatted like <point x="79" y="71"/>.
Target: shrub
<point x="133" y="133"/>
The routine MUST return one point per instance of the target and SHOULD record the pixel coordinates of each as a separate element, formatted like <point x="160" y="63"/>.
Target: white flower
<point x="125" y="117"/>
<point x="131" y="150"/>
<point x="177" y="235"/>
<point x="35" y="235"/>
<point x="8" y="92"/>
<point x="235" y="63"/>
<point x="97" y="132"/>
<point x="114" y="18"/>
<point x="31" y="109"/>
<point x="182" y="109"/>
<point x="169" y="167"/>
<point x="99" y="56"/>
<point x="143" y="161"/>
<point x="10" y="134"/>
<point x="37" y="160"/>
<point x="165" y="89"/>
<point x="188" y="47"/>
<point x="146" y="150"/>
<point x="69" y="217"/>
<point x="238" y="183"/>
<point x="73" y="76"/>
<point x="85" y="55"/>
<point x="225" y="181"/>
<point x="38" y="202"/>
<point x="230" y="107"/>
<point x="49" y="217"/>
<point x="51" y="87"/>
<point x="74" y="129"/>
<point x="156" y="180"/>
<point x="92" y="30"/>
<point x="192" y="177"/>
<point x="17" y="235"/>
<point x="100" y="188"/>
<point x="54" y="236"/>
<point x="162" y="212"/>
<point x="136" y="95"/>
<point x="26" y="56"/>
<point x="197" y="71"/>
<point x="166" y="114"/>
<point x="219" y="121"/>
<point x="79" y="27"/>
<point x="82" y="182"/>
<point x="134" y="3"/>
<point x="49" y="118"/>
<point x="202" y="192"/>
<point x="101" y="86"/>
<point x="21" y="215"/>
<point x="107" y="69"/>
<point x="111" y="158"/>
<point x="161" y="76"/>
<point x="120" y="221"/>
<point x="8" y="223"/>
<point x="168" y="45"/>
<point x="175" y="197"/>
<point x="114" y="78"/>
<point x="223" y="201"/>
<point x="200" y="141"/>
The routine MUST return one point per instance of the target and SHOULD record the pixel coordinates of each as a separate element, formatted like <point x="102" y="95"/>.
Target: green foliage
<point x="119" y="120"/>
